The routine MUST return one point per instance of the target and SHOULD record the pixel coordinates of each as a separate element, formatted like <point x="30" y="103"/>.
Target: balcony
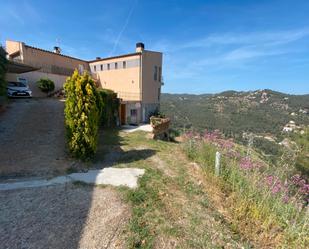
<point x="129" y="96"/>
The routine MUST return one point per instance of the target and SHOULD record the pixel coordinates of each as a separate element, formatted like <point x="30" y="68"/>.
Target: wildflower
<point x="285" y="198"/>
<point x="246" y="163"/>
<point x="277" y="187"/>
<point x="269" y="180"/>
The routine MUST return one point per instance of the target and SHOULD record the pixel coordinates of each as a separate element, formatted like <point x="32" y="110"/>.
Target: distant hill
<point x="232" y="112"/>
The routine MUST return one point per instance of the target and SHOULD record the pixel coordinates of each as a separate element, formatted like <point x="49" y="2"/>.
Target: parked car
<point x="18" y="89"/>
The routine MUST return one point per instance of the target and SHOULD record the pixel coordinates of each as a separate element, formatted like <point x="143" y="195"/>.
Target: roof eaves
<point x="116" y="57"/>
<point x="67" y="56"/>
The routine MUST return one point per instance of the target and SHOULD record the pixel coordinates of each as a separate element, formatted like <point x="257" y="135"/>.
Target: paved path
<point x="109" y="176"/>
<point x="132" y="128"/>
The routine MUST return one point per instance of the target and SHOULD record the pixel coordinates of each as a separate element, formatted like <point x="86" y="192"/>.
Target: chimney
<point x="140" y="47"/>
<point x="57" y="50"/>
<point x="98" y="58"/>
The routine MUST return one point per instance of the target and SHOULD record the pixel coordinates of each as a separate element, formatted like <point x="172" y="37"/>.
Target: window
<point x="80" y="68"/>
<point x="116" y="65"/>
<point x="133" y="112"/>
<point x="124" y="64"/>
<point x="155" y="77"/>
<point x="160" y="74"/>
<point x="95" y="68"/>
<point x="108" y="66"/>
<point x="101" y="67"/>
<point x="159" y="93"/>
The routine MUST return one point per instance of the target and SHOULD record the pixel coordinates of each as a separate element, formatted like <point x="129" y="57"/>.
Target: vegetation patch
<point x="46" y="85"/>
<point x="109" y="106"/>
<point x="82" y="115"/>
<point x="170" y="210"/>
<point x="268" y="203"/>
<point x="3" y="65"/>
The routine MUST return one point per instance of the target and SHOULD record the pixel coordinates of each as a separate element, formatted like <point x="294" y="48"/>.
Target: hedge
<point x="46" y="85"/>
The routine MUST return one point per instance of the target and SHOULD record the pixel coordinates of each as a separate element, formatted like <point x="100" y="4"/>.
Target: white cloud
<point x="215" y="52"/>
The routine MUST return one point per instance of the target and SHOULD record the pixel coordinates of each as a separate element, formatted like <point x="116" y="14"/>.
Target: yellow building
<point x="135" y="77"/>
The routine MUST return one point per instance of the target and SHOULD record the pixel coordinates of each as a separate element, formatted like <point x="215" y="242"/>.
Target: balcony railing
<point x="129" y="96"/>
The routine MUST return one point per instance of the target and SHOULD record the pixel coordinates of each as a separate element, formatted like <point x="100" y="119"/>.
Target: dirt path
<point x="63" y="216"/>
<point x="32" y="139"/>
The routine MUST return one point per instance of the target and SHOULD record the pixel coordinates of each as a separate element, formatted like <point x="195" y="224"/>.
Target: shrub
<point x="3" y="63"/>
<point x="46" y="85"/>
<point x="81" y="115"/>
<point x="109" y="106"/>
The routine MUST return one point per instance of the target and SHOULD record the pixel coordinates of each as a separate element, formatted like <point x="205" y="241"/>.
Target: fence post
<point x="217" y="163"/>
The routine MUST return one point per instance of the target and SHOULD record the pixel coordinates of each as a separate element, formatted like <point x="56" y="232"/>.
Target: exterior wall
<point x="53" y="66"/>
<point x="33" y="77"/>
<point x="50" y="62"/>
<point x="131" y="105"/>
<point x="151" y="88"/>
<point x="124" y="81"/>
<point x="12" y="47"/>
<point x="148" y="110"/>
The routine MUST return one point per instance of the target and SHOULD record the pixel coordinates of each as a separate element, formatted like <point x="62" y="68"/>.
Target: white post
<point x="217" y="163"/>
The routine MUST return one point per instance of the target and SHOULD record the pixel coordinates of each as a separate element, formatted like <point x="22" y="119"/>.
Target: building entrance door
<point x="123" y="114"/>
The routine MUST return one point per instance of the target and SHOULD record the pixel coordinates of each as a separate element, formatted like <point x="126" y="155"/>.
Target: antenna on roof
<point x="57" y="48"/>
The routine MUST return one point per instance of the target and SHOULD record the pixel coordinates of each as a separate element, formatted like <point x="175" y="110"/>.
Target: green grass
<point x="169" y="206"/>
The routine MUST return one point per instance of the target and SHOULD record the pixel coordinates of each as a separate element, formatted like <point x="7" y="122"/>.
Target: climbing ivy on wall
<point x="110" y="106"/>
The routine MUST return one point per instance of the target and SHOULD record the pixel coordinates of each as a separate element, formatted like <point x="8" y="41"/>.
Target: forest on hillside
<point x="260" y="114"/>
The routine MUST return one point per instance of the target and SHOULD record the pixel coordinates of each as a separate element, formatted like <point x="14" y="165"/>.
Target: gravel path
<point x="62" y="216"/>
<point x="32" y="138"/>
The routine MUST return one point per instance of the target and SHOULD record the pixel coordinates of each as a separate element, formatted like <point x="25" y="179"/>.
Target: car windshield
<point x="16" y="84"/>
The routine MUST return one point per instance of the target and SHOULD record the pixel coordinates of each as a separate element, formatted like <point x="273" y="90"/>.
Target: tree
<point x="81" y="115"/>
<point x="3" y="64"/>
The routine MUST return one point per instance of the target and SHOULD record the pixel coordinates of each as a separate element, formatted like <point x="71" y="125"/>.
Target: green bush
<point x="81" y="115"/>
<point x="109" y="106"/>
<point x="46" y="85"/>
<point x="3" y="63"/>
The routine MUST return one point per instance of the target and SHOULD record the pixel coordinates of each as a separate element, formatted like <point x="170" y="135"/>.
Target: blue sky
<point x="208" y="46"/>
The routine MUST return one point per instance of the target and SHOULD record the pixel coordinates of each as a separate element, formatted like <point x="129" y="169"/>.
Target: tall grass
<point x="267" y="203"/>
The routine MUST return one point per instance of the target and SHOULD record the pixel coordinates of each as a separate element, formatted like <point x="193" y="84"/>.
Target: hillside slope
<point x="181" y="204"/>
<point x="260" y="112"/>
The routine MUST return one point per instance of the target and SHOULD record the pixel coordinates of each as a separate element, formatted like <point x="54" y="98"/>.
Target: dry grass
<point x="172" y="207"/>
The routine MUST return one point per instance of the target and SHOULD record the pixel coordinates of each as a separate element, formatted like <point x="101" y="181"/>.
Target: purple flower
<point x="246" y="163"/>
<point x="269" y="180"/>
<point x="285" y="198"/>
<point x="276" y="188"/>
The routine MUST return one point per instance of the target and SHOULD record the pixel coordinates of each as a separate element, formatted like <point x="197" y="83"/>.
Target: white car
<point x="18" y="89"/>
